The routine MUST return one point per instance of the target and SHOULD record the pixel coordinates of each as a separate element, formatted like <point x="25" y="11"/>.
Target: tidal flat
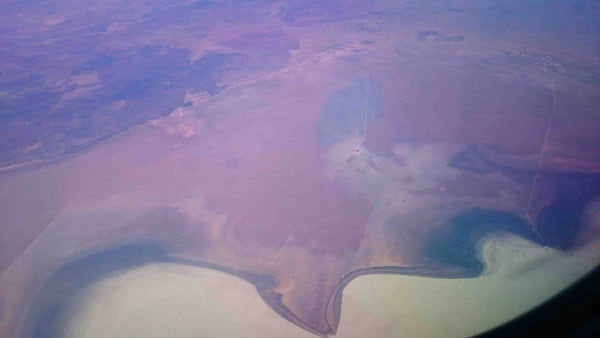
<point x="158" y="299"/>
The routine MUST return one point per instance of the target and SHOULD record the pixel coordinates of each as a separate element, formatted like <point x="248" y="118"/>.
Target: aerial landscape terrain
<point x="323" y="168"/>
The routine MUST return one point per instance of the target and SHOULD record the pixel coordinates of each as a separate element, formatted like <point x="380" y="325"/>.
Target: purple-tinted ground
<point x="297" y="145"/>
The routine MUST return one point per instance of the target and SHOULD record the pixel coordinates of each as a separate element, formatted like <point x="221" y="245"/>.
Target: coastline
<point x="263" y="284"/>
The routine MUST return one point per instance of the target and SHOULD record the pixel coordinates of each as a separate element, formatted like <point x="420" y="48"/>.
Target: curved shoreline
<point x="465" y="231"/>
<point x="334" y="303"/>
<point x="93" y="267"/>
<point x="264" y="284"/>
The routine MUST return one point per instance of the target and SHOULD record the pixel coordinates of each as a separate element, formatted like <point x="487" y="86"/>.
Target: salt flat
<point x="175" y="300"/>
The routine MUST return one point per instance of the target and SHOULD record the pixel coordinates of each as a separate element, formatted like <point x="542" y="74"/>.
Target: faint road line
<point x="333" y="178"/>
<point x="542" y="151"/>
<point x="366" y="111"/>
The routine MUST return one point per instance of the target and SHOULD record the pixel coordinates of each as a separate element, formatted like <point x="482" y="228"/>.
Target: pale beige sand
<point x="167" y="300"/>
<point x="520" y="276"/>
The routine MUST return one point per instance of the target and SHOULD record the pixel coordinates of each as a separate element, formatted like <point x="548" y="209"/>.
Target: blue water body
<point x="345" y="110"/>
<point x="557" y="224"/>
<point x="560" y="222"/>
<point x="456" y="244"/>
<point x="46" y="319"/>
<point x="72" y="277"/>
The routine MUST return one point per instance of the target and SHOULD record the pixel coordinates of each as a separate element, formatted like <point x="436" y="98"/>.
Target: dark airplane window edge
<point x="574" y="312"/>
